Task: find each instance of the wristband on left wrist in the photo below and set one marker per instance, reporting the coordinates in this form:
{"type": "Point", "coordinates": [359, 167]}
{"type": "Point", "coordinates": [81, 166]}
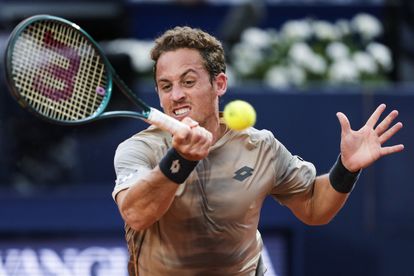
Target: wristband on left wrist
{"type": "Point", "coordinates": [341, 179]}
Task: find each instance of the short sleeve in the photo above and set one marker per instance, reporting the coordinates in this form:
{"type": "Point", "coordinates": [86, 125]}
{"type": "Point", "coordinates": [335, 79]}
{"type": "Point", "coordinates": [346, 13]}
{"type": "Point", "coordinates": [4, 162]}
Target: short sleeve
{"type": "Point", "coordinates": [293, 175]}
{"type": "Point", "coordinates": [133, 160]}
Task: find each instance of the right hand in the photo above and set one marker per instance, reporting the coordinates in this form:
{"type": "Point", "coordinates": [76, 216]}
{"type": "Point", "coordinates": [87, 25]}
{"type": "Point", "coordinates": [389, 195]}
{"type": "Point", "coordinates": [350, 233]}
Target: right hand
{"type": "Point", "coordinates": [194, 142]}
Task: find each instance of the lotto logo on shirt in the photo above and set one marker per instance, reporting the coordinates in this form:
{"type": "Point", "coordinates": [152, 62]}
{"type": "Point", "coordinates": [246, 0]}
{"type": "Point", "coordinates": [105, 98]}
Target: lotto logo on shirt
{"type": "Point", "coordinates": [243, 173]}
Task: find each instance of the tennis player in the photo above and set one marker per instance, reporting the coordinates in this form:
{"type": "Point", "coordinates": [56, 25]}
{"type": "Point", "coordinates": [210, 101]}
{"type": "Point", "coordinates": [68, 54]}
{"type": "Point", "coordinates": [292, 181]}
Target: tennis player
{"type": "Point", "coordinates": [191, 204]}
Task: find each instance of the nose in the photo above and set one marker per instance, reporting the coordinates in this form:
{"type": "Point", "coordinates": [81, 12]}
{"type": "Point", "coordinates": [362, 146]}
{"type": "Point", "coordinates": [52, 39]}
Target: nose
{"type": "Point", "coordinates": [177, 94]}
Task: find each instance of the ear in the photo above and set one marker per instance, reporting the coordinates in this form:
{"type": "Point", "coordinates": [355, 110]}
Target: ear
{"type": "Point", "coordinates": [221, 84]}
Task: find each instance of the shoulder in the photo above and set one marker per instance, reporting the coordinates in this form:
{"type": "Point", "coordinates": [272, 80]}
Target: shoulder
{"type": "Point", "coordinates": [151, 141]}
{"type": "Point", "coordinates": [150, 137]}
{"type": "Point", "coordinates": [254, 135]}
{"type": "Point", "coordinates": [266, 141]}
{"type": "Point", "coordinates": [250, 138]}
{"type": "Point", "coordinates": [260, 134]}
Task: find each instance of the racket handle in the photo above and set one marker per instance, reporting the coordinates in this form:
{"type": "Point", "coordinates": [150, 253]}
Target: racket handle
{"type": "Point", "coordinates": [165, 122]}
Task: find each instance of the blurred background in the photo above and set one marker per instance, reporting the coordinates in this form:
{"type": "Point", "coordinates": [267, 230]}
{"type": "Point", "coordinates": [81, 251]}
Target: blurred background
{"type": "Point", "coordinates": [297, 61]}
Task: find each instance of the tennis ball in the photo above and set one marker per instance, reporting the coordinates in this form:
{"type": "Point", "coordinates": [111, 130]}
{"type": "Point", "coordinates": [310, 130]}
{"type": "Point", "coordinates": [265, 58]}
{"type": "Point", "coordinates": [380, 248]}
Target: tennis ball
{"type": "Point", "coordinates": [239, 115]}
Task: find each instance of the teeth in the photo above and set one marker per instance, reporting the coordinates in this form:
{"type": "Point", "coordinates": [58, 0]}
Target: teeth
{"type": "Point", "coordinates": [181, 111]}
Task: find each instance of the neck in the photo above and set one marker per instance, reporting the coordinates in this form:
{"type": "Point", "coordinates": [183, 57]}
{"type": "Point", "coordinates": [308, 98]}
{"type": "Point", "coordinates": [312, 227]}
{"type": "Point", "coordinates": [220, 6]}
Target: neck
{"type": "Point", "coordinates": [216, 129]}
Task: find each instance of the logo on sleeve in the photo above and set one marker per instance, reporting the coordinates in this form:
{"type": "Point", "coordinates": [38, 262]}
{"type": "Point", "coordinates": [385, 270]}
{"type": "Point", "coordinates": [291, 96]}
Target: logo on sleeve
{"type": "Point", "coordinates": [122, 179]}
{"type": "Point", "coordinates": [243, 173]}
{"type": "Point", "coordinates": [175, 166]}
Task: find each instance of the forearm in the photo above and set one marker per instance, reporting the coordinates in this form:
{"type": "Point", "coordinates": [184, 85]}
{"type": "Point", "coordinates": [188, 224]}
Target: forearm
{"type": "Point", "coordinates": [325, 202]}
{"type": "Point", "coordinates": [148, 200]}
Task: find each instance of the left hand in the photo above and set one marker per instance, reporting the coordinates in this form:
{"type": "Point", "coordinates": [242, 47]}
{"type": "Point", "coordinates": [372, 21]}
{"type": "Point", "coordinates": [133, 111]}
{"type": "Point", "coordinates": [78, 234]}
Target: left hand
{"type": "Point", "coordinates": [361, 148]}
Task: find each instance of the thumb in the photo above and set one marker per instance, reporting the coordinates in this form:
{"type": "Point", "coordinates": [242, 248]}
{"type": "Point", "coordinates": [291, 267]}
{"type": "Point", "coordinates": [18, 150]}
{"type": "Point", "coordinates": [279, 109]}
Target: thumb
{"type": "Point", "coordinates": [184, 133]}
{"type": "Point", "coordinates": [344, 122]}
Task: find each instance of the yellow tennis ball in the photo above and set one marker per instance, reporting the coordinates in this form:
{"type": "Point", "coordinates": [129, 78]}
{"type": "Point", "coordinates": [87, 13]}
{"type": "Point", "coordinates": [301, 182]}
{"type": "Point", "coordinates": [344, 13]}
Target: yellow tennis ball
{"type": "Point", "coordinates": [239, 115]}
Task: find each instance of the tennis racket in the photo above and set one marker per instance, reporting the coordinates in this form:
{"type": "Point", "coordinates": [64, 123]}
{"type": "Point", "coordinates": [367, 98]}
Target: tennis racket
{"type": "Point", "coordinates": [57, 71]}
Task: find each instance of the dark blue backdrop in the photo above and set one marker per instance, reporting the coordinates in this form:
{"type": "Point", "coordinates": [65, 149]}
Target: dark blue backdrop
{"type": "Point", "coordinates": [372, 235]}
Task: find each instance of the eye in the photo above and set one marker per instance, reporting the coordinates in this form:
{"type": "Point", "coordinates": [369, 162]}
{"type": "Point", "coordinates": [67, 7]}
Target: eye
{"type": "Point", "coordinates": [188, 83]}
{"type": "Point", "coordinates": [166, 87]}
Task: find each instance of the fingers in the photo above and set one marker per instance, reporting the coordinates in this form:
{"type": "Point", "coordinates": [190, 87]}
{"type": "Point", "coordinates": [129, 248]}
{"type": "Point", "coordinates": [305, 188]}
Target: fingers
{"type": "Point", "coordinates": [385, 124]}
{"type": "Point", "coordinates": [390, 132]}
{"type": "Point", "coordinates": [190, 122]}
{"type": "Point", "coordinates": [193, 143]}
{"type": "Point", "coordinates": [391, 149]}
{"type": "Point", "coordinates": [372, 121]}
{"type": "Point", "coordinates": [344, 122]}
{"type": "Point", "coordinates": [184, 135]}
{"type": "Point", "coordinates": [383, 129]}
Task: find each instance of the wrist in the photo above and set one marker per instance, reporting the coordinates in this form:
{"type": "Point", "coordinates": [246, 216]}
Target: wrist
{"type": "Point", "coordinates": [341, 179]}
{"type": "Point", "coordinates": [175, 167]}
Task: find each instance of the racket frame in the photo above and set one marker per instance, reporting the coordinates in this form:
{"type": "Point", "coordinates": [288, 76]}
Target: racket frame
{"type": "Point", "coordinates": [110, 74]}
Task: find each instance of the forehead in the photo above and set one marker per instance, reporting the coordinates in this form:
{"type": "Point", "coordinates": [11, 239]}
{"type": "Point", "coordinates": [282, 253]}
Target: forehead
{"type": "Point", "coordinates": [174, 63]}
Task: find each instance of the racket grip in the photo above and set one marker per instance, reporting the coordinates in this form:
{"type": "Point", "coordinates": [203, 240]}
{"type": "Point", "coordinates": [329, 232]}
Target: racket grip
{"type": "Point", "coordinates": [165, 122]}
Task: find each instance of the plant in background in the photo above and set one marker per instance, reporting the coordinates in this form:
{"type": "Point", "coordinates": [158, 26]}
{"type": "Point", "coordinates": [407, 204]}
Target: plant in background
{"type": "Point", "coordinates": [138, 52]}
{"type": "Point", "coordinates": [308, 51]}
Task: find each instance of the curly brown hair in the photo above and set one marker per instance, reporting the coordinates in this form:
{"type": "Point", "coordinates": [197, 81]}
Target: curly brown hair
{"type": "Point", "coordinates": [210, 49]}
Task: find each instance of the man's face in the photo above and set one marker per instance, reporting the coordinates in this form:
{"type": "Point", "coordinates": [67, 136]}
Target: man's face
{"type": "Point", "coordinates": [184, 86]}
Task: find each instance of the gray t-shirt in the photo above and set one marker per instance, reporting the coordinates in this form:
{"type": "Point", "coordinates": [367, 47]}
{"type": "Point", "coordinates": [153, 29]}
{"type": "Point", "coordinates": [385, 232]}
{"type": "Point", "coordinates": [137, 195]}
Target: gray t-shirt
{"type": "Point", "coordinates": [211, 226]}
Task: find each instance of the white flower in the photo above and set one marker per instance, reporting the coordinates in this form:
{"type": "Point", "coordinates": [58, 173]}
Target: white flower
{"type": "Point", "coordinates": [343, 27]}
{"type": "Point", "coordinates": [300, 53]}
{"type": "Point", "coordinates": [365, 62]}
{"type": "Point", "coordinates": [296, 30]}
{"type": "Point", "coordinates": [317, 65]}
{"type": "Point", "coordinates": [324, 30]}
{"type": "Point", "coordinates": [343, 71]}
{"type": "Point", "coordinates": [274, 36]}
{"type": "Point", "coordinates": [309, 50]}
{"type": "Point", "coordinates": [246, 58]}
{"type": "Point", "coordinates": [138, 51]}
{"type": "Point", "coordinates": [277, 77]}
{"type": "Point", "coordinates": [284, 76]}
{"type": "Point", "coordinates": [367, 26]}
{"type": "Point", "coordinates": [296, 74]}
{"type": "Point", "coordinates": [337, 50]}
{"type": "Point", "coordinates": [256, 37]}
{"type": "Point", "coordinates": [381, 54]}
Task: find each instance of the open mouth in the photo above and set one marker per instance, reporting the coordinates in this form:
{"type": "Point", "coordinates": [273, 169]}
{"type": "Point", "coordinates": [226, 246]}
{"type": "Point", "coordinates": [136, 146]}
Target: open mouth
{"type": "Point", "coordinates": [181, 111]}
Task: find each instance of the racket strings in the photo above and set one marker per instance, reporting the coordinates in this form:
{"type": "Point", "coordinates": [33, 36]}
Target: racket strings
{"type": "Point", "coordinates": [58, 72]}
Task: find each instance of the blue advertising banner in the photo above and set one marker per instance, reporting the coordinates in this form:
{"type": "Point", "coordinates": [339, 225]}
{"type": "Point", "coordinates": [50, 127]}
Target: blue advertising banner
{"type": "Point", "coordinates": [99, 256]}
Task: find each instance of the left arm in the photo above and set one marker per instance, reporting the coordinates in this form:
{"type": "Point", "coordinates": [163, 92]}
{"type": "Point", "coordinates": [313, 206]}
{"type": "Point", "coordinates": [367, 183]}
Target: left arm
{"type": "Point", "coordinates": [359, 149]}
{"type": "Point", "coordinates": [319, 205]}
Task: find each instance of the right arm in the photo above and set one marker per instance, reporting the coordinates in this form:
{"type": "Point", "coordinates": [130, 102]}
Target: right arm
{"type": "Point", "coordinates": [145, 202]}
{"type": "Point", "coordinates": [149, 199]}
